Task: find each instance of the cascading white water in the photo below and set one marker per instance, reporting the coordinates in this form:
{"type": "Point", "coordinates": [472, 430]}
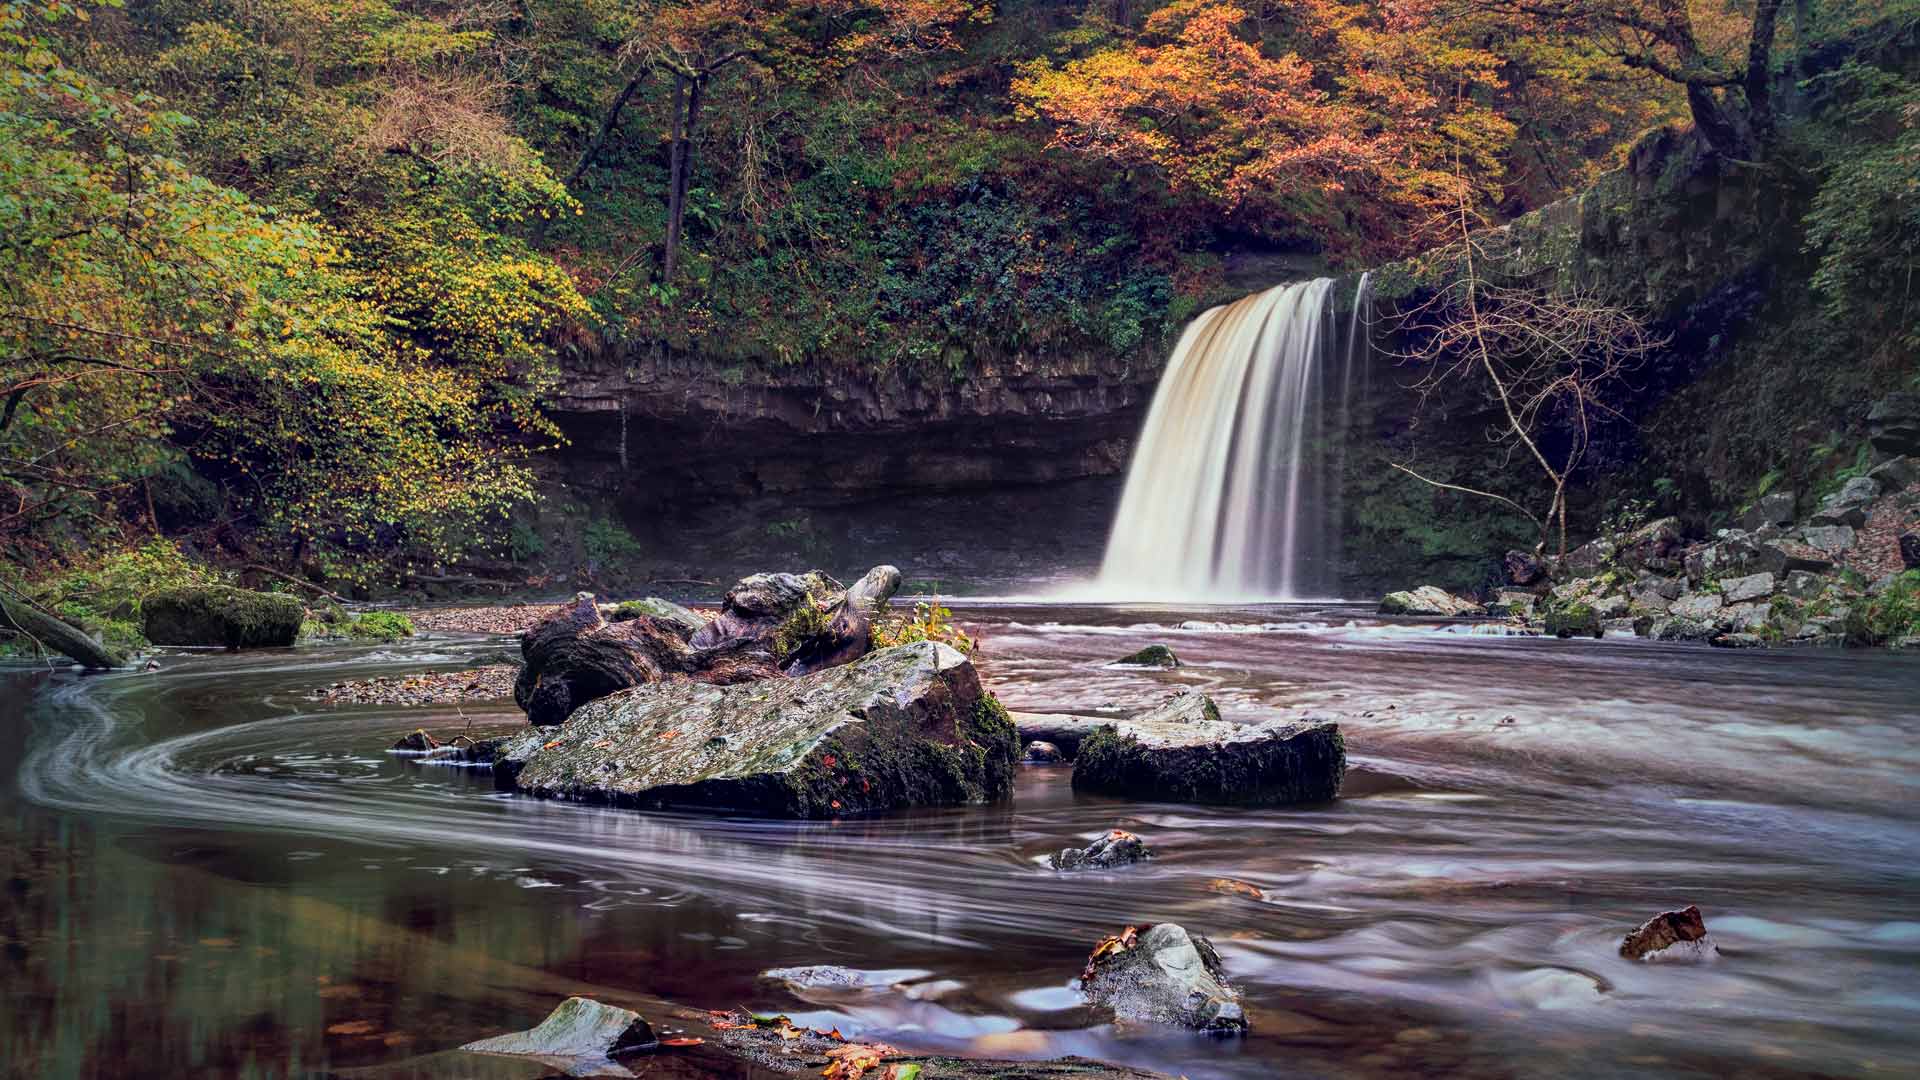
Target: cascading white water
{"type": "Point", "coordinates": [1222, 501]}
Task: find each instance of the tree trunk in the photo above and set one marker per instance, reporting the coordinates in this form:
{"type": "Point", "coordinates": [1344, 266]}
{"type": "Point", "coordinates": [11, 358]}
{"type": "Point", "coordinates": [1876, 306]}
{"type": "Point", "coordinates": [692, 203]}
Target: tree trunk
{"type": "Point", "coordinates": [1759, 75]}
{"type": "Point", "coordinates": [1711, 120]}
{"type": "Point", "coordinates": [676, 169]}
{"type": "Point", "coordinates": [607, 123]}
{"type": "Point", "coordinates": [59, 636]}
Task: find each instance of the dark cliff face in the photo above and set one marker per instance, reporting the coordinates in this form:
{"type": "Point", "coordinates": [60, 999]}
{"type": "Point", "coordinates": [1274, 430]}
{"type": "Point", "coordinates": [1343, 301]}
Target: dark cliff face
{"type": "Point", "coordinates": [694, 434]}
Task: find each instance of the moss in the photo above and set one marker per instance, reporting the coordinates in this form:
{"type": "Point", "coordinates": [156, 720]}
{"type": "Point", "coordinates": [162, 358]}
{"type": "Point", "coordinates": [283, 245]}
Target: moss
{"type": "Point", "coordinates": [805, 623]}
{"type": "Point", "coordinates": [1571, 620]}
{"type": "Point", "coordinates": [380, 626]}
{"type": "Point", "coordinates": [1153, 656]}
{"type": "Point", "coordinates": [218, 615]}
{"type": "Point", "coordinates": [1889, 617]}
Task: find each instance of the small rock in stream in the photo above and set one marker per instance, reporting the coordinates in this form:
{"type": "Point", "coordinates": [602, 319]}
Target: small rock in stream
{"type": "Point", "coordinates": [1671, 937]}
{"type": "Point", "coordinates": [1161, 974]}
{"type": "Point", "coordinates": [1153, 656]}
{"type": "Point", "coordinates": [1184, 751]}
{"type": "Point", "coordinates": [578, 1028]}
{"type": "Point", "coordinates": [1041, 752]}
{"type": "Point", "coordinates": [1117, 848]}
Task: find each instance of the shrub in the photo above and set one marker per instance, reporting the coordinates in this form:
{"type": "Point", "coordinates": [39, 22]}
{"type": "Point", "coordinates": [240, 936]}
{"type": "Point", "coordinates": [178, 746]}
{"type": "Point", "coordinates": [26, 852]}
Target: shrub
{"type": "Point", "coordinates": [929, 622]}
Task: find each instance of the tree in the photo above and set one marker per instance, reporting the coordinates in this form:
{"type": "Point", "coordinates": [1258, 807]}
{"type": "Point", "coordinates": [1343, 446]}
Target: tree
{"type": "Point", "coordinates": [1724, 68]}
{"type": "Point", "coordinates": [1336, 118]}
{"type": "Point", "coordinates": [1550, 361]}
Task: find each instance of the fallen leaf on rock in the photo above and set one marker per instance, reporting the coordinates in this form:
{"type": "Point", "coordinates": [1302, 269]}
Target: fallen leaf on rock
{"type": "Point", "coordinates": [851, 1062]}
{"type": "Point", "coordinates": [552, 744]}
{"type": "Point", "coordinates": [687, 1041]}
{"type": "Point", "coordinates": [667, 736]}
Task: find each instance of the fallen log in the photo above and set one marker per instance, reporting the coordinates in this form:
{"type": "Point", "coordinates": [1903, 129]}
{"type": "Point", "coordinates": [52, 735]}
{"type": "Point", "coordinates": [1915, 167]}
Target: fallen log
{"type": "Point", "coordinates": [61, 637]}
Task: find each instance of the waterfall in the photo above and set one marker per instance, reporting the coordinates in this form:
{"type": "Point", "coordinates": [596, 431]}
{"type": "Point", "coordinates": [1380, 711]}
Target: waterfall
{"type": "Point", "coordinates": [1232, 493]}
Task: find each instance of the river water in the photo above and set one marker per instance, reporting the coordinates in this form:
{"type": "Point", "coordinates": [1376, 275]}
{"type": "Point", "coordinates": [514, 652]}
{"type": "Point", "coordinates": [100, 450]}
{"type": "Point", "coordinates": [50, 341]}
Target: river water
{"type": "Point", "coordinates": [208, 874]}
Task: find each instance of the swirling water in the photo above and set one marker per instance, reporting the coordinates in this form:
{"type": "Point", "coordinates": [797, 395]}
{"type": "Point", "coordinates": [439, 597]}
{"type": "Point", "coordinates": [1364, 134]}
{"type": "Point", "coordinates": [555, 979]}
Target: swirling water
{"type": "Point", "coordinates": [208, 874]}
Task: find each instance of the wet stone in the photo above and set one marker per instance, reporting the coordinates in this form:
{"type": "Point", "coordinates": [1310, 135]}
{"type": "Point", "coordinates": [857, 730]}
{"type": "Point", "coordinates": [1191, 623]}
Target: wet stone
{"type": "Point", "coordinates": [1671, 936]}
{"type": "Point", "coordinates": [578, 1028]}
{"type": "Point", "coordinates": [1184, 752]}
{"type": "Point", "coordinates": [1117, 848]}
{"type": "Point", "coordinates": [1164, 975]}
{"type": "Point", "coordinates": [1041, 752]}
{"type": "Point", "coordinates": [1153, 656]}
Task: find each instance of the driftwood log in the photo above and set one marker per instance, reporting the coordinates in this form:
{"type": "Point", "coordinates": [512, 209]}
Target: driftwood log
{"type": "Point", "coordinates": [59, 636]}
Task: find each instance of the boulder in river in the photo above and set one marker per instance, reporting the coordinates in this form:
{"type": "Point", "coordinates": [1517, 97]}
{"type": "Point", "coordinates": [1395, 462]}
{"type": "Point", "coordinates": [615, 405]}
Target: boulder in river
{"type": "Point", "coordinates": [904, 726]}
{"type": "Point", "coordinates": [1428, 600]}
{"type": "Point", "coordinates": [578, 1028]}
{"type": "Point", "coordinates": [1184, 752]}
{"type": "Point", "coordinates": [1117, 848]}
{"type": "Point", "coordinates": [1153, 656]}
{"type": "Point", "coordinates": [218, 615]}
{"type": "Point", "coordinates": [1671, 937]}
{"type": "Point", "coordinates": [1577, 619]}
{"type": "Point", "coordinates": [1159, 973]}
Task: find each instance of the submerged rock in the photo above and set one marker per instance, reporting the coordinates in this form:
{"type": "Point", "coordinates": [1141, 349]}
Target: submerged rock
{"type": "Point", "coordinates": [905, 726]}
{"type": "Point", "coordinates": [218, 615]}
{"type": "Point", "coordinates": [1669, 937]}
{"type": "Point", "coordinates": [1428, 600]}
{"type": "Point", "coordinates": [1153, 656]}
{"type": "Point", "coordinates": [1184, 752]}
{"type": "Point", "coordinates": [1162, 974]}
{"type": "Point", "coordinates": [1041, 752]}
{"type": "Point", "coordinates": [578, 1028]}
{"type": "Point", "coordinates": [1118, 848]}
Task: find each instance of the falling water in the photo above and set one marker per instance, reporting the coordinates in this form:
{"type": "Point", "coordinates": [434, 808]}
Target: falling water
{"type": "Point", "coordinates": [1228, 497]}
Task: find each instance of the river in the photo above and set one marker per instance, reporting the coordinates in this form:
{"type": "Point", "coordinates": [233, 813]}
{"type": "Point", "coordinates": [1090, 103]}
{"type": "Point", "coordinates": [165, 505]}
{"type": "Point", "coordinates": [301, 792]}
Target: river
{"type": "Point", "coordinates": [209, 874]}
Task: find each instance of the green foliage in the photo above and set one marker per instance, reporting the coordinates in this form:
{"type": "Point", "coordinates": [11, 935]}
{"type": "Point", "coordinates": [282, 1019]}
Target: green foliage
{"type": "Point", "coordinates": [1890, 616]}
{"type": "Point", "coordinates": [380, 626]}
{"type": "Point", "coordinates": [805, 623]}
{"type": "Point", "coordinates": [929, 621]}
{"type": "Point", "coordinates": [607, 542]}
{"type": "Point", "coordinates": [1864, 223]}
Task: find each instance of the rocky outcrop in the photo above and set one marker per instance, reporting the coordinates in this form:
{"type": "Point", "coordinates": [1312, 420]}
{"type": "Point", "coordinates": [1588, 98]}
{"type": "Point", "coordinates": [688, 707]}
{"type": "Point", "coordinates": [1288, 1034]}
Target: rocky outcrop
{"type": "Point", "coordinates": [578, 1028]}
{"type": "Point", "coordinates": [1117, 848]}
{"type": "Point", "coordinates": [1429, 600]}
{"type": "Point", "coordinates": [1184, 752]}
{"type": "Point", "coordinates": [770, 625]}
{"type": "Point", "coordinates": [1153, 656]}
{"type": "Point", "coordinates": [573, 657]}
{"type": "Point", "coordinates": [1893, 424]}
{"type": "Point", "coordinates": [905, 726]}
{"type": "Point", "coordinates": [218, 615]}
{"type": "Point", "coordinates": [1671, 936]}
{"type": "Point", "coordinates": [1162, 974]}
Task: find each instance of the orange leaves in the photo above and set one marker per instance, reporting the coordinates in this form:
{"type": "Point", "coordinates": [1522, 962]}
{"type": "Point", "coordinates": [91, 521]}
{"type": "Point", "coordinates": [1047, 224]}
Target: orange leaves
{"type": "Point", "coordinates": [669, 736]}
{"type": "Point", "coordinates": [856, 1060]}
{"type": "Point", "coordinates": [1112, 945]}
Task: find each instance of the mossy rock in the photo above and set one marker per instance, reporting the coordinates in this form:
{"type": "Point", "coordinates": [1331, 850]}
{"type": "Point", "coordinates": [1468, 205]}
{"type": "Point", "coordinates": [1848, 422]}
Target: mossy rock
{"type": "Point", "coordinates": [905, 726]}
{"type": "Point", "coordinates": [1183, 752]}
{"type": "Point", "coordinates": [1153, 656]}
{"type": "Point", "coordinates": [1574, 620]}
{"type": "Point", "coordinates": [219, 615]}
{"type": "Point", "coordinates": [380, 626]}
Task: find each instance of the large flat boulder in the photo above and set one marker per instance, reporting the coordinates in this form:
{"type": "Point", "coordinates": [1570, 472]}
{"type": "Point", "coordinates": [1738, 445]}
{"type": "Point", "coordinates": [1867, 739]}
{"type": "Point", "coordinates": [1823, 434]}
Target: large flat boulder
{"type": "Point", "coordinates": [905, 726]}
{"type": "Point", "coordinates": [1428, 600]}
{"type": "Point", "coordinates": [218, 615]}
{"type": "Point", "coordinates": [1184, 752]}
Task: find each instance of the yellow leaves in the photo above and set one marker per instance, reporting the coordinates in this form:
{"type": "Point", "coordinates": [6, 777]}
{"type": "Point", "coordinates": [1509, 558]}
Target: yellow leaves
{"type": "Point", "coordinates": [856, 1060]}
